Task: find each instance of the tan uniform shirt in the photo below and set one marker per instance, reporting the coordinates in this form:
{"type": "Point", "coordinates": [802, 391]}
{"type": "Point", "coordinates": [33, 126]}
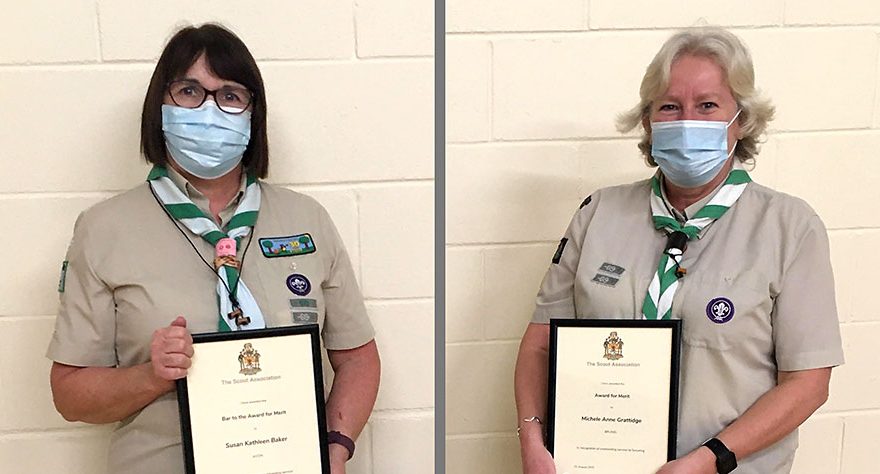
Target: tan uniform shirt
{"type": "Point", "coordinates": [768, 255]}
{"type": "Point", "coordinates": [131, 272]}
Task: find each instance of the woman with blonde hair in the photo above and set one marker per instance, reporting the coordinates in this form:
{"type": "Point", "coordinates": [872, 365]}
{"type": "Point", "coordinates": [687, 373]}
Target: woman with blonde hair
{"type": "Point", "coordinates": [760, 328]}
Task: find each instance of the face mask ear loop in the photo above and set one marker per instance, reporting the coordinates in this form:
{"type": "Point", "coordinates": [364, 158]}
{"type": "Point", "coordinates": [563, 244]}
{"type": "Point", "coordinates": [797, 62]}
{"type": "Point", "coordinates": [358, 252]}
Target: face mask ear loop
{"type": "Point", "coordinates": [738, 111]}
{"type": "Point", "coordinates": [732, 149]}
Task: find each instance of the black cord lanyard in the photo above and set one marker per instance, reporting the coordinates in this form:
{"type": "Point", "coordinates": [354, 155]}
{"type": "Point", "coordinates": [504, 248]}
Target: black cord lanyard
{"type": "Point", "coordinates": [232, 299]}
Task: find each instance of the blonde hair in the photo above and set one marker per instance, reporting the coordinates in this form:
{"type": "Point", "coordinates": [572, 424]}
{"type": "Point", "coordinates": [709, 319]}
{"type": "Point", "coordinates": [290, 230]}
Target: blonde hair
{"type": "Point", "coordinates": [732, 57]}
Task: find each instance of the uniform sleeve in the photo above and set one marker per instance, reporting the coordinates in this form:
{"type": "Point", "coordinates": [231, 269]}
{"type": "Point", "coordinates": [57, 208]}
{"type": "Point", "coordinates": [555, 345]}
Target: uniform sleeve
{"type": "Point", "coordinates": [346, 324]}
{"type": "Point", "coordinates": [556, 296]}
{"type": "Point", "coordinates": [806, 332]}
{"type": "Point", "coordinates": [85, 329]}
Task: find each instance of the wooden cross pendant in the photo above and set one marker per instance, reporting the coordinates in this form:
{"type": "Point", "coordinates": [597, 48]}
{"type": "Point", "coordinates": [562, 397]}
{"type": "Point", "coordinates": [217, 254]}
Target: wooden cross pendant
{"type": "Point", "coordinates": [240, 319]}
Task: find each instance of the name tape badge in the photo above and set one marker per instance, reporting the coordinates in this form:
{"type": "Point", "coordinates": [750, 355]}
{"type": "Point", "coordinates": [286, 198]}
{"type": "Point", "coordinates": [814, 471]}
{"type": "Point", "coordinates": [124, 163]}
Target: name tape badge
{"type": "Point", "coordinates": [612, 268]}
{"type": "Point", "coordinates": [605, 280]}
{"type": "Point", "coordinates": [304, 317]}
{"type": "Point", "coordinates": [303, 303]}
{"type": "Point", "coordinates": [300, 244]}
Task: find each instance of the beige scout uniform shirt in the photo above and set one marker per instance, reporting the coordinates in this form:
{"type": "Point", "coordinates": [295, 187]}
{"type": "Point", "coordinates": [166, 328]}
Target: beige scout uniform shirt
{"type": "Point", "coordinates": [131, 272]}
{"type": "Point", "coordinates": [768, 255]}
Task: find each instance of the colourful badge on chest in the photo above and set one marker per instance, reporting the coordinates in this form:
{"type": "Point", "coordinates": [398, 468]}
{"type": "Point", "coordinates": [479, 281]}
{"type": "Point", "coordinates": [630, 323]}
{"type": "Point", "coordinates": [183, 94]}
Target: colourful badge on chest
{"type": "Point", "coordinates": [300, 244]}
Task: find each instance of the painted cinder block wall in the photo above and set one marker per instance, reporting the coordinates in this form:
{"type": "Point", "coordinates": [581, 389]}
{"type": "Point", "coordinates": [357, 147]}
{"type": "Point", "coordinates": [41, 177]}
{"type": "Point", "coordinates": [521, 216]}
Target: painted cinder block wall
{"type": "Point", "coordinates": [350, 92]}
{"type": "Point", "coordinates": [533, 89]}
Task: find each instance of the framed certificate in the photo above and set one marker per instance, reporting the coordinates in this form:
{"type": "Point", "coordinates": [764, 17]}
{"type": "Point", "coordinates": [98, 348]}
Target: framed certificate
{"type": "Point", "coordinates": [253, 401]}
{"type": "Point", "coordinates": [613, 394]}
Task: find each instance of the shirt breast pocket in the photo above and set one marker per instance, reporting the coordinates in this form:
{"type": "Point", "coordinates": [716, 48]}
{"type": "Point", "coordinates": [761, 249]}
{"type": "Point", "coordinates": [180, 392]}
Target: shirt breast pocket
{"type": "Point", "coordinates": [292, 286]}
{"type": "Point", "coordinates": [722, 312]}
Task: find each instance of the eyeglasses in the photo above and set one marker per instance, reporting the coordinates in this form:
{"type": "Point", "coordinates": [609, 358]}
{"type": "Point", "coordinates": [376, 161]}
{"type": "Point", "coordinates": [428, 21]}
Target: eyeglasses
{"type": "Point", "coordinates": [190, 94]}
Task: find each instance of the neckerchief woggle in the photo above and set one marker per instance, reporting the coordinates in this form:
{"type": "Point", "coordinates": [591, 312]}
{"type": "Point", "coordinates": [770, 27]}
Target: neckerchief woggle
{"type": "Point", "coordinates": [182, 209]}
{"type": "Point", "coordinates": [658, 301]}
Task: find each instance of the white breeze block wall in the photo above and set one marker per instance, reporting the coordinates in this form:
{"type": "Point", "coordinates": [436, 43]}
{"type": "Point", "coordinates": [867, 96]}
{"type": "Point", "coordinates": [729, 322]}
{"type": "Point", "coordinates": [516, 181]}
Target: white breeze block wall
{"type": "Point", "coordinates": [350, 92]}
{"type": "Point", "coordinates": [533, 89]}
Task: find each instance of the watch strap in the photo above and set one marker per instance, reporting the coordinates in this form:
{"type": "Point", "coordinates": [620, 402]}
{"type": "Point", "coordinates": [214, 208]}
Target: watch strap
{"type": "Point", "coordinates": [725, 459]}
{"type": "Point", "coordinates": [339, 438]}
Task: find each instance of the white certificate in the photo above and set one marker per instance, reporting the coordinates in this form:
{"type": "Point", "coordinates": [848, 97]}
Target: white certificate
{"type": "Point", "coordinates": [253, 401]}
{"type": "Point", "coordinates": [613, 395]}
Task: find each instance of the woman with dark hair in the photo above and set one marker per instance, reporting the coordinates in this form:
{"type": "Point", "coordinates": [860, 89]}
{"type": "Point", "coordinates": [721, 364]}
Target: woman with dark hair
{"type": "Point", "coordinates": [148, 267]}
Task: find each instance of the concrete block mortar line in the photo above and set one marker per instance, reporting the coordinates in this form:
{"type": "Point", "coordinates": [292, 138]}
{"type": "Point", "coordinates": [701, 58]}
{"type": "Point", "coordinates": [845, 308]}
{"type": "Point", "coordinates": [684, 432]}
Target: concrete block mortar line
{"type": "Point", "coordinates": [611, 138]}
{"type": "Point", "coordinates": [826, 25]}
{"type": "Point", "coordinates": [151, 62]}
{"type": "Point", "coordinates": [617, 137]}
{"type": "Point", "coordinates": [372, 464]}
{"type": "Point", "coordinates": [876, 117]}
{"type": "Point", "coordinates": [490, 96]}
{"type": "Point", "coordinates": [39, 64]}
{"type": "Point", "coordinates": [485, 342]}
{"type": "Point", "coordinates": [577, 139]}
{"type": "Point", "coordinates": [401, 301]}
{"type": "Point", "coordinates": [494, 245]}
{"type": "Point", "coordinates": [10, 318]}
{"type": "Point", "coordinates": [38, 433]}
{"type": "Point", "coordinates": [558, 34]}
{"type": "Point", "coordinates": [549, 34]}
{"type": "Point", "coordinates": [464, 142]}
{"type": "Point", "coordinates": [588, 4]}
{"type": "Point", "coordinates": [354, 26]}
{"type": "Point", "coordinates": [482, 318]}
{"type": "Point", "coordinates": [774, 133]}
{"type": "Point", "coordinates": [862, 324]}
{"type": "Point", "coordinates": [483, 435]}
{"type": "Point", "coordinates": [539, 141]}
{"type": "Point", "coordinates": [782, 11]}
{"type": "Point", "coordinates": [835, 230]}
{"type": "Point", "coordinates": [99, 44]}
{"type": "Point", "coordinates": [847, 413]}
{"type": "Point", "coordinates": [841, 447]}
{"type": "Point", "coordinates": [27, 195]}
{"type": "Point", "coordinates": [353, 185]}
{"type": "Point", "coordinates": [403, 413]}
{"type": "Point", "coordinates": [381, 57]}
{"type": "Point", "coordinates": [360, 239]}
{"type": "Point", "coordinates": [355, 60]}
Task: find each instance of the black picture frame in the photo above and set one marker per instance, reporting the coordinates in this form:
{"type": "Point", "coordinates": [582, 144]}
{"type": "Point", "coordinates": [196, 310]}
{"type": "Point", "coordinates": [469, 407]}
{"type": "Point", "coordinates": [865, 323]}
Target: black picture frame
{"type": "Point", "coordinates": [675, 358]}
{"type": "Point", "coordinates": [183, 400]}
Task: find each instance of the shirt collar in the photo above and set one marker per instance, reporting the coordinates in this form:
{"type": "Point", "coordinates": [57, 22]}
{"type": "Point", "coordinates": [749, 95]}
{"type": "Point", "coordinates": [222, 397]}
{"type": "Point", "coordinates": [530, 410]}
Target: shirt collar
{"type": "Point", "coordinates": [695, 207]}
{"type": "Point", "coordinates": [200, 200]}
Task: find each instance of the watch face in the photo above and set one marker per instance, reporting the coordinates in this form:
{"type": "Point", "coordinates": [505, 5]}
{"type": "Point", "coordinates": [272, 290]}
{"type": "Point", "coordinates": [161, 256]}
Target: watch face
{"type": "Point", "coordinates": [725, 460]}
{"type": "Point", "coordinates": [726, 463]}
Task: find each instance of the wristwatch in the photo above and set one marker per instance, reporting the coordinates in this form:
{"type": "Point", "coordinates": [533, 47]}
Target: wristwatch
{"type": "Point", "coordinates": [725, 460]}
{"type": "Point", "coordinates": [341, 439]}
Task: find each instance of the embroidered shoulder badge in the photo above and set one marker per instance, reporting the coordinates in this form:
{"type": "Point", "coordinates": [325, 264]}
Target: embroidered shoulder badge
{"type": "Point", "coordinates": [586, 201]}
{"type": "Point", "coordinates": [63, 278]}
{"type": "Point", "coordinates": [558, 255]}
{"type": "Point", "coordinates": [300, 244]}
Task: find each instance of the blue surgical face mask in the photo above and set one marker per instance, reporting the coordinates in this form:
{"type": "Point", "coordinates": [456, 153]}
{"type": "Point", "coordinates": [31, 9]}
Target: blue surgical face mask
{"type": "Point", "coordinates": [690, 152]}
{"type": "Point", "coordinates": [206, 142]}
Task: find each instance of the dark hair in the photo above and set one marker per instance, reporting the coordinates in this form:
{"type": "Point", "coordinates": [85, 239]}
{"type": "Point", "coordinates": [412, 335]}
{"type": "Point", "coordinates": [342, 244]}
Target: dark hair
{"type": "Point", "coordinates": [229, 59]}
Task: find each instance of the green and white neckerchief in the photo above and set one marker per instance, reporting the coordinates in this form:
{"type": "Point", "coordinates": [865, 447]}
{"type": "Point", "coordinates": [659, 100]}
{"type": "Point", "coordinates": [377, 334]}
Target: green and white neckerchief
{"type": "Point", "coordinates": [182, 209]}
{"type": "Point", "coordinates": [658, 301]}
